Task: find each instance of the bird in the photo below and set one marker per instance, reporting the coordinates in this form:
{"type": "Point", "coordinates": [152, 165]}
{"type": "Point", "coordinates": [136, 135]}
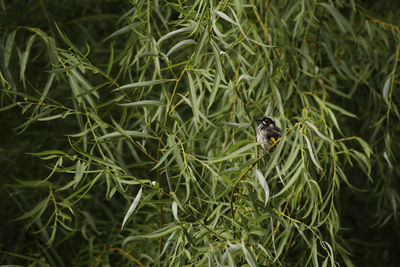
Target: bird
{"type": "Point", "coordinates": [268, 133]}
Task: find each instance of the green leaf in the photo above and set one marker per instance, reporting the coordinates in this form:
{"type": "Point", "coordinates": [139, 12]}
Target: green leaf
{"type": "Point", "coordinates": [143, 103]}
{"type": "Point", "coordinates": [311, 153]}
{"type": "Point", "coordinates": [125, 133]}
{"type": "Point", "coordinates": [9, 48]}
{"type": "Point", "coordinates": [235, 154]}
{"type": "Point", "coordinates": [180, 45]}
{"type": "Point", "coordinates": [176, 152]}
{"type": "Point", "coordinates": [215, 89]}
{"type": "Point", "coordinates": [36, 211]}
{"type": "Point", "coordinates": [193, 97]}
{"type": "Point", "coordinates": [341, 110]}
{"type": "Point", "coordinates": [25, 56]}
{"type": "Point", "coordinates": [218, 61]}
{"type": "Point", "coordinates": [264, 185]}
{"type": "Point", "coordinates": [314, 128]}
{"type": "Point", "coordinates": [283, 237]}
{"type": "Point", "coordinates": [8, 106]}
{"type": "Point", "coordinates": [367, 149]}
{"type": "Point", "coordinates": [173, 33]}
{"type": "Point", "coordinates": [292, 180]}
{"type": "Point", "coordinates": [143, 84]}
{"type": "Point", "coordinates": [174, 209]}
{"type": "Point", "coordinates": [249, 256]}
{"type": "Point", "coordinates": [162, 232]}
{"type": "Point", "coordinates": [341, 21]}
{"type": "Point", "coordinates": [47, 152]}
{"type": "Point", "coordinates": [225, 17]}
{"type": "Point", "coordinates": [386, 87]}
{"type": "Point", "coordinates": [123, 30]}
{"type": "Point", "coordinates": [47, 87]}
{"type": "Point", "coordinates": [132, 207]}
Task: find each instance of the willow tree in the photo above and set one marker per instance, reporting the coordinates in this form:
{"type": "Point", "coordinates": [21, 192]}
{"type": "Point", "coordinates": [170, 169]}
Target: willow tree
{"type": "Point", "coordinates": [135, 133]}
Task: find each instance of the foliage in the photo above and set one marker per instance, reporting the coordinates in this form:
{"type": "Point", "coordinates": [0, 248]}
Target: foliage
{"type": "Point", "coordinates": [138, 134]}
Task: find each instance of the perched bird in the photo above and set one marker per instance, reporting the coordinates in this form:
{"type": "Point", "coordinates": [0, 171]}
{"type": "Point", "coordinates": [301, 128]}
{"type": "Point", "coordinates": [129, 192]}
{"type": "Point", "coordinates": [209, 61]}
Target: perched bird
{"type": "Point", "coordinates": [268, 133]}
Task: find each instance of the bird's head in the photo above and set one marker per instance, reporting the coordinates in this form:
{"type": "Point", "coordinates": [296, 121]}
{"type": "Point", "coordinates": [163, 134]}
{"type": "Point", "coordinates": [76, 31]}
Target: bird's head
{"type": "Point", "coordinates": [267, 121]}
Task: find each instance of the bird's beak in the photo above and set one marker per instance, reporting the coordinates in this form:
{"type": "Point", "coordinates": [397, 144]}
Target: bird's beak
{"type": "Point", "coordinates": [258, 119]}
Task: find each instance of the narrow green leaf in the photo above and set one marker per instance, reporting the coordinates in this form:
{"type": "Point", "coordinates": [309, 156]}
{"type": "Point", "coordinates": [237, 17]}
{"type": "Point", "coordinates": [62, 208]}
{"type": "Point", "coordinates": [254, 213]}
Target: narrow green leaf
{"type": "Point", "coordinates": [177, 155]}
{"type": "Point", "coordinates": [293, 154]}
{"type": "Point", "coordinates": [312, 126]}
{"type": "Point", "coordinates": [142, 103]}
{"type": "Point", "coordinates": [199, 47]}
{"type": "Point", "coordinates": [235, 154]}
{"type": "Point", "coordinates": [37, 210]}
{"type": "Point", "coordinates": [361, 158]}
{"type": "Point", "coordinates": [311, 153]}
{"type": "Point", "coordinates": [218, 61]}
{"type": "Point", "coordinates": [250, 259]}
{"type": "Point", "coordinates": [125, 133]}
{"type": "Point", "coordinates": [143, 84]}
{"type": "Point", "coordinates": [107, 162]}
{"type": "Point", "coordinates": [111, 59]}
{"type": "Point", "coordinates": [132, 207]}
{"type": "Point", "coordinates": [341, 110]}
{"type": "Point", "coordinates": [215, 89]}
{"type": "Point", "coordinates": [284, 236]}
{"type": "Point", "coordinates": [193, 97]}
{"type": "Point", "coordinates": [123, 30]}
{"type": "Point", "coordinates": [47, 87]}
{"type": "Point", "coordinates": [53, 117]}
{"type": "Point", "coordinates": [264, 185]}
{"type": "Point", "coordinates": [386, 87]}
{"type": "Point", "coordinates": [9, 106]}
{"type": "Point", "coordinates": [173, 33]}
{"type": "Point", "coordinates": [175, 210]}
{"type": "Point", "coordinates": [279, 99]}
{"type": "Point", "coordinates": [80, 169]}
{"type": "Point", "coordinates": [215, 28]}
{"type": "Point", "coordinates": [25, 56]}
{"type": "Point", "coordinates": [163, 158]}
{"type": "Point", "coordinates": [162, 232]}
{"type": "Point", "coordinates": [341, 21]}
{"type": "Point", "coordinates": [47, 152]}
{"type": "Point", "coordinates": [292, 180]}
{"type": "Point", "coordinates": [85, 83]}
{"type": "Point", "coordinates": [180, 45]}
{"type": "Point", "coordinates": [367, 149]}
{"type": "Point", "coordinates": [225, 17]}
{"type": "Point", "coordinates": [76, 90]}
{"type": "Point", "coordinates": [344, 178]}
{"type": "Point", "coordinates": [9, 47]}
